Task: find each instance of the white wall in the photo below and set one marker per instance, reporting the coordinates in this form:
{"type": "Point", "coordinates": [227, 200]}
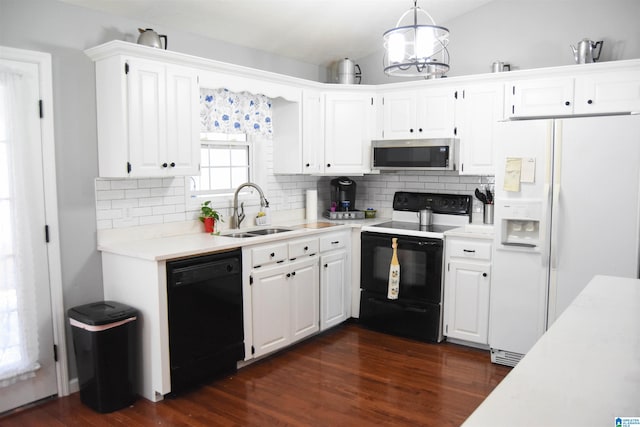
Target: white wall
{"type": "Point", "coordinates": [530, 34]}
{"type": "Point", "coordinates": [66, 31]}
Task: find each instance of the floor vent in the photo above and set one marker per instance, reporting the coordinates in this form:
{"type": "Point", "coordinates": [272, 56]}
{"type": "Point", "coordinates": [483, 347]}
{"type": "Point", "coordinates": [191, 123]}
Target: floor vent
{"type": "Point", "coordinates": [505, 357]}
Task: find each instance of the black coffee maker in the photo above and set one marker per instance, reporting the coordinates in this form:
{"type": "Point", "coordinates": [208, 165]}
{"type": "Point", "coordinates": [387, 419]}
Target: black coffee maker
{"type": "Point", "coordinates": [343, 194]}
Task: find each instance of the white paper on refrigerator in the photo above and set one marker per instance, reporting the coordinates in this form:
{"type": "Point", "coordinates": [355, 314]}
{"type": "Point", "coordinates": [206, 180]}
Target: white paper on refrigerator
{"type": "Point", "coordinates": [512, 172]}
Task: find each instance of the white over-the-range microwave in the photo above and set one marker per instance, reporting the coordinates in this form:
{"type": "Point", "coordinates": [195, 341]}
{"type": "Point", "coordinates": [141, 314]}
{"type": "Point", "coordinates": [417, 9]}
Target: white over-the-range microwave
{"type": "Point", "coordinates": [441, 154]}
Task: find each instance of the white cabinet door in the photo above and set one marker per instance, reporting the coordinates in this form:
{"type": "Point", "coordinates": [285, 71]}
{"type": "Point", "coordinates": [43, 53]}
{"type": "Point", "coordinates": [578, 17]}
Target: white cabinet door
{"type": "Point", "coordinates": [349, 125]}
{"type": "Point", "coordinates": [399, 115]}
{"type": "Point", "coordinates": [146, 88]}
{"type": "Point", "coordinates": [312, 132]}
{"type": "Point", "coordinates": [270, 297]}
{"type": "Point", "coordinates": [183, 121]}
{"type": "Point", "coordinates": [334, 289]}
{"type": "Point", "coordinates": [426, 113]}
{"type": "Point", "coordinates": [479, 109]}
{"type": "Point", "coordinates": [304, 285]}
{"type": "Point", "coordinates": [540, 98]}
{"type": "Point", "coordinates": [467, 301]}
{"type": "Point", "coordinates": [612, 92]}
{"type": "Point", "coordinates": [436, 113]}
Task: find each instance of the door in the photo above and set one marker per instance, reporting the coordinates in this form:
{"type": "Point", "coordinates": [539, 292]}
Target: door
{"type": "Point", "coordinates": [399, 115]}
{"type": "Point", "coordinates": [304, 281]}
{"type": "Point", "coordinates": [348, 129]}
{"type": "Point", "coordinates": [436, 113]}
{"type": "Point", "coordinates": [420, 266]}
{"type": "Point", "coordinates": [595, 217]}
{"type": "Point", "coordinates": [146, 88]}
{"type": "Point", "coordinates": [540, 97]}
{"type": "Point", "coordinates": [333, 301]}
{"type": "Point", "coordinates": [270, 296]}
{"type": "Point", "coordinates": [27, 366]}
{"type": "Point", "coordinates": [467, 302]}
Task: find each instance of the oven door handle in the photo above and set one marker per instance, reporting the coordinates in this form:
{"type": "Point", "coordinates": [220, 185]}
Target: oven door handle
{"type": "Point", "coordinates": [428, 243]}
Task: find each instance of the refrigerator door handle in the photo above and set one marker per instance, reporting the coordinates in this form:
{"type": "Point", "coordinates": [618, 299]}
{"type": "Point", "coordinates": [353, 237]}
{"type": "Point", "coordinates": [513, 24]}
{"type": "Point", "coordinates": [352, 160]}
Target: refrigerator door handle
{"type": "Point", "coordinates": [545, 220]}
{"type": "Point", "coordinates": [555, 202]}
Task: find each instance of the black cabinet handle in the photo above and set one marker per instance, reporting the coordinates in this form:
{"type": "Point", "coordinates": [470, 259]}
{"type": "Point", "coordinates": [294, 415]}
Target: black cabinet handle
{"type": "Point", "coordinates": [173, 165]}
{"type": "Point", "coordinates": [567, 103]}
{"type": "Point", "coordinates": [293, 273]}
{"type": "Point", "coordinates": [469, 250]}
{"type": "Point", "coordinates": [326, 265]}
{"type": "Point", "coordinates": [328, 165]}
{"type": "Point", "coordinates": [484, 274]}
{"type": "Point", "coordinates": [590, 102]}
{"type": "Point", "coordinates": [410, 130]}
{"type": "Point", "coordinates": [272, 254]}
{"type": "Point", "coordinates": [288, 274]}
{"type": "Point", "coordinates": [420, 130]}
{"type": "Point", "coordinates": [307, 165]}
{"type": "Point", "coordinates": [335, 242]}
{"type": "Point", "coordinates": [306, 248]}
{"type": "Point", "coordinates": [164, 165]}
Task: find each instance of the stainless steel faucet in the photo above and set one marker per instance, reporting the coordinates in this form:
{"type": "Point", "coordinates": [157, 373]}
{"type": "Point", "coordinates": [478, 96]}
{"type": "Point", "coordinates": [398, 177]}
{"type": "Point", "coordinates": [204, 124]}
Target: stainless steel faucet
{"type": "Point", "coordinates": [238, 217]}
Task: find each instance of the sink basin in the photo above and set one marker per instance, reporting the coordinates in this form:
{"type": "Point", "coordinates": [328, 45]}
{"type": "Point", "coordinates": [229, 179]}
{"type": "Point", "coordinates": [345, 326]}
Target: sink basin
{"type": "Point", "coordinates": [269, 231]}
{"type": "Point", "coordinates": [240, 235]}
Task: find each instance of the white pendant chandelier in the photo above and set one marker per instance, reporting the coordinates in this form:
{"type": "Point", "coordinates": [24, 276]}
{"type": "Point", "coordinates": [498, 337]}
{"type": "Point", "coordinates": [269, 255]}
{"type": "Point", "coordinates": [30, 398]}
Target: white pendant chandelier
{"type": "Point", "coordinates": [416, 50]}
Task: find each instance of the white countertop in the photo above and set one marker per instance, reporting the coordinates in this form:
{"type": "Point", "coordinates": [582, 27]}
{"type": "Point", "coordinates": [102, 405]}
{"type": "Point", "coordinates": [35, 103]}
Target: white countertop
{"type": "Point", "coordinates": [584, 371]}
{"type": "Point", "coordinates": [475, 231]}
{"type": "Point", "coordinates": [188, 240]}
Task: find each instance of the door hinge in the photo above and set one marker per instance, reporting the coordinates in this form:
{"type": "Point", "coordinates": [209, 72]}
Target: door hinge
{"type": "Point", "coordinates": [40, 109]}
{"type": "Point", "coordinates": [383, 100]}
{"type": "Point", "coordinates": [463, 94]}
{"type": "Point", "coordinates": [455, 130]}
{"type": "Point", "coordinates": [128, 167]}
{"type": "Point", "coordinates": [253, 350]}
{"type": "Point", "coordinates": [448, 266]}
{"type": "Point", "coordinates": [446, 329]}
{"type": "Point", "coordinates": [513, 90]}
{"type": "Point", "coordinates": [126, 68]}
{"type": "Point", "coordinates": [455, 95]}
{"type": "Point", "coordinates": [461, 167]}
{"type": "Point", "coordinates": [55, 353]}
{"type": "Point", "coordinates": [513, 109]}
{"type": "Point", "coordinates": [372, 100]}
{"type": "Point", "coordinates": [46, 233]}
{"type": "Point", "coordinates": [251, 280]}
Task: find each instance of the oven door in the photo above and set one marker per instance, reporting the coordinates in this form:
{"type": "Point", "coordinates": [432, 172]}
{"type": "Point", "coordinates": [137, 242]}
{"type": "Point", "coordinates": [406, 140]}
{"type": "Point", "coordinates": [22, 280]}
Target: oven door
{"type": "Point", "coordinates": [420, 266]}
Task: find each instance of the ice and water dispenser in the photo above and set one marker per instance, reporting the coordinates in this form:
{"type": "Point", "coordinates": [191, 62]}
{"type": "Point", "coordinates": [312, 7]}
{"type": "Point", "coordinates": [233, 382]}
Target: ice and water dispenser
{"type": "Point", "coordinates": [521, 224]}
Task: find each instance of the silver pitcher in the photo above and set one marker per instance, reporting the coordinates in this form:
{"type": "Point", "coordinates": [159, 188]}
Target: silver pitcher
{"type": "Point", "coordinates": [148, 37]}
{"type": "Point", "coordinates": [585, 52]}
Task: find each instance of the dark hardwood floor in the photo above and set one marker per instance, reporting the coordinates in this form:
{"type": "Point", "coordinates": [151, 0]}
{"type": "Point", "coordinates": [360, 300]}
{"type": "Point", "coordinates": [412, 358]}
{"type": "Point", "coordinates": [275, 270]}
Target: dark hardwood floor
{"type": "Point", "coordinates": [346, 377]}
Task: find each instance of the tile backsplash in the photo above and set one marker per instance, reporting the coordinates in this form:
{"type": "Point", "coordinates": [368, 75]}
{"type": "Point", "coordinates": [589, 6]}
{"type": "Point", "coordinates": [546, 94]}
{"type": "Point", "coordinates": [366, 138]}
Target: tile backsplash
{"type": "Point", "coordinates": [131, 202]}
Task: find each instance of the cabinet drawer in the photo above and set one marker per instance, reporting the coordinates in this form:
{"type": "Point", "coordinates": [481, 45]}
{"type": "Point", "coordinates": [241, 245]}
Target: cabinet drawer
{"type": "Point", "coordinates": [303, 247]}
{"type": "Point", "coordinates": [268, 254]}
{"type": "Point", "coordinates": [473, 249]}
{"type": "Point", "coordinates": [333, 241]}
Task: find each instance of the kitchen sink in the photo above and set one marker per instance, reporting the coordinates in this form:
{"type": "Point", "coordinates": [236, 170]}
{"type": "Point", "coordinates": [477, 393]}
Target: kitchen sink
{"type": "Point", "coordinates": [240, 235]}
{"type": "Point", "coordinates": [269, 231]}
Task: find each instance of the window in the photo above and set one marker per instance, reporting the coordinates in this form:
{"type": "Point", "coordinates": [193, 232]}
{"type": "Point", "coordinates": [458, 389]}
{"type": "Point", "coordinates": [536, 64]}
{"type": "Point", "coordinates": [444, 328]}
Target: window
{"type": "Point", "coordinates": [225, 163]}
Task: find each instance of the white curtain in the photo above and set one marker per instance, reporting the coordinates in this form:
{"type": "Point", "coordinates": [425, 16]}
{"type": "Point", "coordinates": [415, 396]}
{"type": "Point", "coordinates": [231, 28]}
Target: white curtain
{"type": "Point", "coordinates": [18, 316]}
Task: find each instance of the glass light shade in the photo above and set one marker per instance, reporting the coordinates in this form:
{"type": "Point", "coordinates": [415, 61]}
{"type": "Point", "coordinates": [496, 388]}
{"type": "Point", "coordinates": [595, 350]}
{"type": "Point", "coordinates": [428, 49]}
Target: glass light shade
{"type": "Point", "coordinates": [416, 50]}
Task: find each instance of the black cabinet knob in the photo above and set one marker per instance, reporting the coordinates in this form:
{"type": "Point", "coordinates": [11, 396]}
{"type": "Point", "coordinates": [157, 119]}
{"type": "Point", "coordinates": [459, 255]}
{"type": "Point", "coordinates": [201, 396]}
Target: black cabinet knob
{"type": "Point", "coordinates": [293, 274]}
{"type": "Point", "coordinates": [420, 130]}
{"type": "Point", "coordinates": [164, 165]}
{"type": "Point", "coordinates": [272, 254]}
{"type": "Point", "coordinates": [173, 165]}
{"type": "Point", "coordinates": [288, 274]}
{"type": "Point", "coordinates": [326, 265]}
{"type": "Point", "coordinates": [410, 130]}
{"type": "Point", "coordinates": [307, 165]}
{"type": "Point", "coordinates": [484, 274]}
{"type": "Point", "coordinates": [590, 101]}
{"type": "Point", "coordinates": [567, 103]}
{"type": "Point", "coordinates": [328, 165]}
{"type": "Point", "coordinates": [306, 248]}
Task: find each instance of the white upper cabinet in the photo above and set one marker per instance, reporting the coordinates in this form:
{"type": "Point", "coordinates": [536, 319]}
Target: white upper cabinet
{"type": "Point", "coordinates": [312, 132]}
{"type": "Point", "coordinates": [540, 97]}
{"type": "Point", "coordinates": [423, 113]}
{"type": "Point", "coordinates": [604, 92]}
{"type": "Point", "coordinates": [148, 118]}
{"type": "Point", "coordinates": [349, 124]}
{"type": "Point", "coordinates": [479, 108]}
{"type": "Point", "coordinates": [611, 92]}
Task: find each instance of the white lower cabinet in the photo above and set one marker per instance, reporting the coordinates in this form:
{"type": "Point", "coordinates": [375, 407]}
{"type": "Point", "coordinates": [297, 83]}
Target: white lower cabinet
{"type": "Point", "coordinates": [335, 271]}
{"type": "Point", "coordinates": [467, 285]}
{"type": "Point", "coordinates": [285, 304]}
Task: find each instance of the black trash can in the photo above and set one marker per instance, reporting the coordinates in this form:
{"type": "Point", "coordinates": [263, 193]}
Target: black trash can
{"type": "Point", "coordinates": [104, 340]}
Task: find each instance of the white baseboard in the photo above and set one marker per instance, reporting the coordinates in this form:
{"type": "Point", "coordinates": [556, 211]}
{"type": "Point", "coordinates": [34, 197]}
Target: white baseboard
{"type": "Point", "coordinates": [74, 386]}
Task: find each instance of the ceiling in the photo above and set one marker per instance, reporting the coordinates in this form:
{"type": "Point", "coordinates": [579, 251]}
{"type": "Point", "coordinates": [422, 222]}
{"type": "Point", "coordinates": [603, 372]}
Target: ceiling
{"type": "Point", "coordinates": [313, 31]}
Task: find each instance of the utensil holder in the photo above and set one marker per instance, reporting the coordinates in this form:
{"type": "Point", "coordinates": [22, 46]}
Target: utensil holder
{"type": "Point", "coordinates": [488, 213]}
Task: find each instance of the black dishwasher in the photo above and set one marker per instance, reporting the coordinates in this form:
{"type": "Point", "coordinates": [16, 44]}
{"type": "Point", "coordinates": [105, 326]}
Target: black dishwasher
{"type": "Point", "coordinates": [206, 334]}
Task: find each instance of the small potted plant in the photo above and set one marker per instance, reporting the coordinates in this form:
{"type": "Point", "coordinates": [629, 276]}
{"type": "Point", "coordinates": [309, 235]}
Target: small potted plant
{"type": "Point", "coordinates": [209, 216]}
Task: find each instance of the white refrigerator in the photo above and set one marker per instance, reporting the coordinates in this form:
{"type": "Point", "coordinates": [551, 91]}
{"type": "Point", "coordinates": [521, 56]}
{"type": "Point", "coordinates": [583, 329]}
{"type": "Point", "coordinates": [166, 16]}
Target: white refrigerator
{"type": "Point", "coordinates": [566, 208]}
